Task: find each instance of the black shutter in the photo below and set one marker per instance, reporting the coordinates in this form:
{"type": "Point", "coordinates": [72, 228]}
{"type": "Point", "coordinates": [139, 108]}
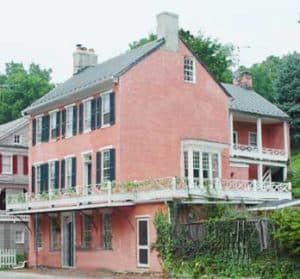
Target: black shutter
{"type": "Point", "coordinates": [62, 174]}
{"type": "Point", "coordinates": [98, 112]}
{"type": "Point", "coordinates": [32, 179]}
{"type": "Point", "coordinates": [63, 122]}
{"type": "Point", "coordinates": [74, 120]}
{"type": "Point", "coordinates": [112, 159]}
{"type": "Point", "coordinates": [73, 183]}
{"type": "Point", "coordinates": [46, 178]}
{"type": "Point", "coordinates": [112, 107]}
{"type": "Point", "coordinates": [41, 178]}
{"type": "Point", "coordinates": [45, 128]}
{"type": "Point", "coordinates": [80, 118]}
{"type": "Point", "coordinates": [98, 167]}
{"type": "Point", "coordinates": [93, 114]}
{"type": "Point", "coordinates": [33, 132]}
{"type": "Point", "coordinates": [56, 182]}
{"type": "Point", "coordinates": [57, 132]}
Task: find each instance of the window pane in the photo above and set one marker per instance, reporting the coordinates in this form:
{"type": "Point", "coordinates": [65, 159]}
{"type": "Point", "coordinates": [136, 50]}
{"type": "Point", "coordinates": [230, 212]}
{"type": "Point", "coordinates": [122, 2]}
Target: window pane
{"type": "Point", "coordinates": [189, 69]}
{"type": "Point", "coordinates": [143, 256]}
{"type": "Point", "coordinates": [107, 231]}
{"type": "Point", "coordinates": [143, 232]}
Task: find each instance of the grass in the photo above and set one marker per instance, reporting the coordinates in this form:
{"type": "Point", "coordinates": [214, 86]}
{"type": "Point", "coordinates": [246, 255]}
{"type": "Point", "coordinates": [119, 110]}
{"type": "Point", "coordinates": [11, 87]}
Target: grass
{"type": "Point", "coordinates": [295, 173]}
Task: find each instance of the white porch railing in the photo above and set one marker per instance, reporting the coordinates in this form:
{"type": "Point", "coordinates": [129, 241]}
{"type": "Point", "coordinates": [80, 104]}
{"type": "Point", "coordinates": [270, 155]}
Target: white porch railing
{"type": "Point", "coordinates": [169, 188]}
{"type": "Point", "coordinates": [4, 217]}
{"type": "Point", "coordinates": [8, 258]}
{"type": "Point", "coordinates": [253, 152]}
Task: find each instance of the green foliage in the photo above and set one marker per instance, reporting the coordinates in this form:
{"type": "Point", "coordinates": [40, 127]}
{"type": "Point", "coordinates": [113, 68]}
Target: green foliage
{"type": "Point", "coordinates": [288, 87]}
{"type": "Point", "coordinates": [20, 87]}
{"type": "Point", "coordinates": [202, 262]}
{"type": "Point", "coordinates": [264, 76]}
{"type": "Point", "coordinates": [217, 57]}
{"type": "Point", "coordinates": [288, 231]}
{"type": "Point", "coordinates": [294, 175]}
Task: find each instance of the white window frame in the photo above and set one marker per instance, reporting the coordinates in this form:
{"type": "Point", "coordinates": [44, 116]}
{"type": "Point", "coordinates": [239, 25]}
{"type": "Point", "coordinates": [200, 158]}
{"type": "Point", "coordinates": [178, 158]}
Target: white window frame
{"type": "Point", "coordinates": [38, 180]}
{"type": "Point", "coordinates": [10, 165]}
{"type": "Point", "coordinates": [105, 110]}
{"type": "Point", "coordinates": [87, 115]}
{"type": "Point", "coordinates": [142, 246]}
{"type": "Point", "coordinates": [189, 72]}
{"type": "Point", "coordinates": [53, 121]}
{"type": "Point", "coordinates": [20, 240]}
{"type": "Point", "coordinates": [249, 138]}
{"type": "Point", "coordinates": [39, 128]}
{"type": "Point", "coordinates": [68, 167]}
{"type": "Point", "coordinates": [69, 120]}
{"type": "Point", "coordinates": [103, 178]}
{"type": "Point", "coordinates": [51, 175]}
{"type": "Point", "coordinates": [104, 229]}
{"type": "Point", "coordinates": [19, 141]}
{"type": "Point", "coordinates": [86, 231]}
{"type": "Point", "coordinates": [54, 243]}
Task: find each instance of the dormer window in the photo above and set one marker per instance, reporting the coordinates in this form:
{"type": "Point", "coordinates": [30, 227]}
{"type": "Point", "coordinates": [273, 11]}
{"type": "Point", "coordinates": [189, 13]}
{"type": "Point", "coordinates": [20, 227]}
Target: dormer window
{"type": "Point", "coordinates": [17, 139]}
{"type": "Point", "coordinates": [189, 69]}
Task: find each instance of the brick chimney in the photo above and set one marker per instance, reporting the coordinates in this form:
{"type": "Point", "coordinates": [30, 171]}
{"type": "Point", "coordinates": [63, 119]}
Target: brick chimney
{"type": "Point", "coordinates": [167, 28]}
{"type": "Point", "coordinates": [244, 80]}
{"type": "Point", "coordinates": [83, 58]}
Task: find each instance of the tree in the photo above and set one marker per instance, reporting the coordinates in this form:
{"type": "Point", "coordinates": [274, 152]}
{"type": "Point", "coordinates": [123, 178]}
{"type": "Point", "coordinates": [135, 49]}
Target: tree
{"type": "Point", "coordinates": [218, 58]}
{"type": "Point", "coordinates": [20, 87]}
{"type": "Point", "coordinates": [264, 76]}
{"type": "Point", "coordinates": [288, 87]}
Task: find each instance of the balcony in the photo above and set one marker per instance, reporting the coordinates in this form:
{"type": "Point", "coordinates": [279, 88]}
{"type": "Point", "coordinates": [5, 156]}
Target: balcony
{"type": "Point", "coordinates": [152, 190]}
{"type": "Point", "coordinates": [243, 150]}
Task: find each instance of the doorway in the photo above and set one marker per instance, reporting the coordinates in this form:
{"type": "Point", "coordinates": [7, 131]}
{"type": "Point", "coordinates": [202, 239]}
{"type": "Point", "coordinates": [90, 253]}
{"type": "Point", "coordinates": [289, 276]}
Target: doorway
{"type": "Point", "coordinates": [68, 237]}
{"type": "Point", "coordinates": [143, 247]}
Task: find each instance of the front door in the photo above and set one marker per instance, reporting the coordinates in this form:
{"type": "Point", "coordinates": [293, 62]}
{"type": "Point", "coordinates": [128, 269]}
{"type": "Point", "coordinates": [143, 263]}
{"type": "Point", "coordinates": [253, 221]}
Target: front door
{"type": "Point", "coordinates": [68, 245]}
{"type": "Point", "coordinates": [143, 247]}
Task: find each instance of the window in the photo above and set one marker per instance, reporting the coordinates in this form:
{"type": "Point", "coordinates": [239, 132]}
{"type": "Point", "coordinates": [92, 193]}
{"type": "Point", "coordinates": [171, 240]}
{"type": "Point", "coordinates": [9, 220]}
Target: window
{"type": "Point", "coordinates": [69, 121]}
{"type": "Point", "coordinates": [17, 139]}
{"type": "Point", "coordinates": [106, 109]}
{"type": "Point", "coordinates": [69, 172]}
{"type": "Point", "coordinates": [186, 164]}
{"type": "Point", "coordinates": [252, 139]}
{"type": "Point", "coordinates": [205, 165]}
{"type": "Point", "coordinates": [189, 69]}
{"type": "Point", "coordinates": [106, 230]}
{"type": "Point", "coordinates": [143, 243]}
{"type": "Point", "coordinates": [196, 166]}
{"type": "Point", "coordinates": [106, 165]}
{"type": "Point", "coordinates": [6, 164]}
{"type": "Point", "coordinates": [87, 106]}
{"type": "Point", "coordinates": [215, 165]}
{"type": "Point", "coordinates": [52, 175]}
{"type": "Point", "coordinates": [38, 231]}
{"type": "Point", "coordinates": [54, 236]}
{"type": "Point", "coordinates": [38, 178]}
{"type": "Point", "coordinates": [235, 137]}
{"type": "Point", "coordinates": [39, 129]}
{"type": "Point", "coordinates": [86, 231]}
{"type": "Point", "coordinates": [19, 237]}
{"type": "Point", "coordinates": [53, 124]}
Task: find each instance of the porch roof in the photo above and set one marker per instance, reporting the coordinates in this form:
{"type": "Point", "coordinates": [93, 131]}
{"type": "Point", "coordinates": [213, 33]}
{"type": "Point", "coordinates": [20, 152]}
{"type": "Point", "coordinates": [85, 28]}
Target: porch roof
{"type": "Point", "coordinates": [272, 205]}
{"type": "Point", "coordinates": [246, 100]}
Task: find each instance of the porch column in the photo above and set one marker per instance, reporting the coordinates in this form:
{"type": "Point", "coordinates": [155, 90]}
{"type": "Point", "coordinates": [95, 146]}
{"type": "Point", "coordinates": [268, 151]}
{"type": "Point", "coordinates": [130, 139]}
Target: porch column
{"type": "Point", "coordinates": [286, 139]}
{"type": "Point", "coordinates": [231, 131]}
{"type": "Point", "coordinates": [190, 168]}
{"type": "Point", "coordinates": [260, 173]}
{"type": "Point", "coordinates": [259, 136]}
{"type": "Point", "coordinates": [285, 173]}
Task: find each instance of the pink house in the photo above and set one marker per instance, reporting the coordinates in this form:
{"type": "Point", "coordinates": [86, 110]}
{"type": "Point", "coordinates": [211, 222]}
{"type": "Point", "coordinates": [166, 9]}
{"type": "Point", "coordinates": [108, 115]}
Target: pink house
{"type": "Point", "coordinates": [116, 141]}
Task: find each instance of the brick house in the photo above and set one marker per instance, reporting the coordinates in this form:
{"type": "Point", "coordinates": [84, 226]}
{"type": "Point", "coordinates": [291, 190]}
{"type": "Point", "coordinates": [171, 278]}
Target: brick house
{"type": "Point", "coordinates": [13, 180]}
{"type": "Point", "coordinates": [116, 141]}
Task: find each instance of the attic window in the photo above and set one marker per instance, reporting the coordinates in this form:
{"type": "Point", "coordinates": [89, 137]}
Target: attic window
{"type": "Point", "coordinates": [189, 69]}
{"type": "Point", "coordinates": [17, 139]}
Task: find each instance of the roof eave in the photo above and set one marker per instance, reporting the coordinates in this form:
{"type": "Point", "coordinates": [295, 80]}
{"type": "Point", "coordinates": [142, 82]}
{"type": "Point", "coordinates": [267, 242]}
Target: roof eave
{"type": "Point", "coordinates": [286, 118]}
{"type": "Point", "coordinates": [103, 85]}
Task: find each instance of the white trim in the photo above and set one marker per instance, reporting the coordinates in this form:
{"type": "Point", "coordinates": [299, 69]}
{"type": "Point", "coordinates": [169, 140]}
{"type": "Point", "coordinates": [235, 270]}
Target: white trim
{"type": "Point", "coordinates": [69, 156]}
{"type": "Point", "coordinates": [22, 240]}
{"type": "Point", "coordinates": [143, 246]}
{"type": "Point", "coordinates": [249, 161]}
{"type": "Point", "coordinates": [106, 92]}
{"type": "Point", "coordinates": [70, 105]}
{"type": "Point", "coordinates": [145, 216]}
{"type": "Point", "coordinates": [106, 147]}
{"type": "Point", "coordinates": [51, 160]}
{"type": "Point", "coordinates": [36, 164]}
{"type": "Point", "coordinates": [86, 153]}
{"type": "Point", "coordinates": [54, 110]}
{"type": "Point", "coordinates": [194, 68]}
{"type": "Point", "coordinates": [206, 146]}
{"type": "Point", "coordinates": [236, 134]}
{"type": "Point", "coordinates": [239, 165]}
{"type": "Point", "coordinates": [285, 139]}
{"type": "Point", "coordinates": [11, 163]}
{"type": "Point", "coordinates": [87, 99]}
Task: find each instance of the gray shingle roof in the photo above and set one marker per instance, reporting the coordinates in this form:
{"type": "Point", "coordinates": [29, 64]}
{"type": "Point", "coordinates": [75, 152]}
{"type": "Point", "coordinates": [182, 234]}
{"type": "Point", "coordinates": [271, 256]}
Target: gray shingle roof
{"type": "Point", "coordinates": [11, 126]}
{"type": "Point", "coordinates": [249, 101]}
{"type": "Point", "coordinates": [90, 76]}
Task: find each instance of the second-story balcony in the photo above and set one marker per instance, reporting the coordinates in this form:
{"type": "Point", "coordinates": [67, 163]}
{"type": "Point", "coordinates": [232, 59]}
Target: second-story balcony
{"type": "Point", "coordinates": [258, 138]}
{"type": "Point", "coordinates": [152, 190]}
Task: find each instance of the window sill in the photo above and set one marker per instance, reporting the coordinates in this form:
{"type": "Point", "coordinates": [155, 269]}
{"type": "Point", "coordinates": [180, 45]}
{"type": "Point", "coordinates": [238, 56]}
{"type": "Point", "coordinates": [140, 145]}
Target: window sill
{"type": "Point", "coordinates": [190, 82]}
{"type": "Point", "coordinates": [87, 130]}
{"type": "Point", "coordinates": [105, 126]}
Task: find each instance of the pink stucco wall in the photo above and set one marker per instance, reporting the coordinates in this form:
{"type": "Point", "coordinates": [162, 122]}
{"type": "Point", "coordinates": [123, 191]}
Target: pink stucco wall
{"type": "Point", "coordinates": [123, 255]}
{"type": "Point", "coordinates": [239, 172]}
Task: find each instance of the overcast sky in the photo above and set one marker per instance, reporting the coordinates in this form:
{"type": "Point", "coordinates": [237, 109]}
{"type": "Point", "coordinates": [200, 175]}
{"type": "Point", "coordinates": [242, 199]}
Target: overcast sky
{"type": "Point", "coordinates": [45, 32]}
